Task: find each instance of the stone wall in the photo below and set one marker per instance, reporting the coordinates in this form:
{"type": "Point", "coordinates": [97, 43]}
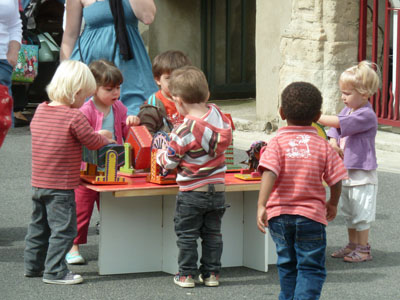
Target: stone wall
{"type": "Point", "coordinates": [319, 43]}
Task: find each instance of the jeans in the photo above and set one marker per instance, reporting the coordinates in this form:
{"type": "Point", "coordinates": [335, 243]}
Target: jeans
{"type": "Point", "coordinates": [300, 245]}
{"type": "Point", "coordinates": [50, 233]}
{"type": "Point", "coordinates": [199, 214]}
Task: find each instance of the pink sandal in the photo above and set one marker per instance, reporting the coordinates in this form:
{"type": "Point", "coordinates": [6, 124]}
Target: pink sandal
{"type": "Point", "coordinates": [346, 250]}
{"type": "Point", "coordinates": [360, 254]}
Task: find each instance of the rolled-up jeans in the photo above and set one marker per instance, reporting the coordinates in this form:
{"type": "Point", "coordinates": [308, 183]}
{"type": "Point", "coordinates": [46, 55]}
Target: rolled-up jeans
{"type": "Point", "coordinates": [199, 215]}
{"type": "Point", "coordinates": [300, 245]}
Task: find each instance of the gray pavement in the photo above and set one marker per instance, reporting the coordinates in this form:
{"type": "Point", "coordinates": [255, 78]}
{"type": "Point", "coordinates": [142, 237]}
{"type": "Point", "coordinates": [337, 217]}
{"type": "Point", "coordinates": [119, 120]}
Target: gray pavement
{"type": "Point", "coordinates": [377, 279]}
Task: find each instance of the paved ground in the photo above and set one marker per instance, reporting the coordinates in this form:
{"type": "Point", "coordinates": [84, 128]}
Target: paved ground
{"type": "Point", "coordinates": [377, 279]}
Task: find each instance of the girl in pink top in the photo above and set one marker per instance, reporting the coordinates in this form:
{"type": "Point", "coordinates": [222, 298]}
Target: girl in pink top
{"type": "Point", "coordinates": [103, 111]}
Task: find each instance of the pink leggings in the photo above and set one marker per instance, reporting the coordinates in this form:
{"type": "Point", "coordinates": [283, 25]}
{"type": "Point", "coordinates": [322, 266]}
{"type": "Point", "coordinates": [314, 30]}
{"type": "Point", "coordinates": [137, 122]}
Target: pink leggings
{"type": "Point", "coordinates": [85, 200]}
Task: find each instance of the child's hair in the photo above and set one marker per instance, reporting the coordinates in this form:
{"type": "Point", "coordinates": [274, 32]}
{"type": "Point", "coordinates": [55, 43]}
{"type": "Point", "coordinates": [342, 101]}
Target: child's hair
{"type": "Point", "coordinates": [169, 61]}
{"type": "Point", "coordinates": [301, 103]}
{"type": "Point", "coordinates": [70, 78]}
{"type": "Point", "coordinates": [190, 84]}
{"type": "Point", "coordinates": [362, 77]}
{"type": "Point", "coordinates": [106, 73]}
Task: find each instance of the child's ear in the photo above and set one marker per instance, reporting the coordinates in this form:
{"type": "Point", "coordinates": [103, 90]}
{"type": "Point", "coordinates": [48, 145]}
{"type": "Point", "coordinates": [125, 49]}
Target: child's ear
{"type": "Point", "coordinates": [317, 117]}
{"type": "Point", "coordinates": [157, 80]}
{"type": "Point", "coordinates": [282, 114]}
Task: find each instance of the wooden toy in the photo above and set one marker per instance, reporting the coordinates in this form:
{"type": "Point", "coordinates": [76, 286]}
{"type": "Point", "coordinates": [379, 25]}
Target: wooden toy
{"type": "Point", "coordinates": [229, 153]}
{"type": "Point", "coordinates": [108, 157]}
{"type": "Point", "coordinates": [97, 157]}
{"type": "Point", "coordinates": [158, 174]}
{"type": "Point", "coordinates": [140, 139]}
{"type": "Point", "coordinates": [253, 159]}
{"type": "Point", "coordinates": [320, 129]}
{"type": "Point", "coordinates": [127, 167]}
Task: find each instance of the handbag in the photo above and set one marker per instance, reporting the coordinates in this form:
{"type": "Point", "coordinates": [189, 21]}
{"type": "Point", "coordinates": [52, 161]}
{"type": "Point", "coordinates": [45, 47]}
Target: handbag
{"type": "Point", "coordinates": [27, 65]}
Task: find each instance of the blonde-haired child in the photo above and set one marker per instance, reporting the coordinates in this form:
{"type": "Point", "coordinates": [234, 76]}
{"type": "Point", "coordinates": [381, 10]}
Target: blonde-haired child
{"type": "Point", "coordinates": [103, 111]}
{"type": "Point", "coordinates": [352, 134]}
{"type": "Point", "coordinates": [58, 131]}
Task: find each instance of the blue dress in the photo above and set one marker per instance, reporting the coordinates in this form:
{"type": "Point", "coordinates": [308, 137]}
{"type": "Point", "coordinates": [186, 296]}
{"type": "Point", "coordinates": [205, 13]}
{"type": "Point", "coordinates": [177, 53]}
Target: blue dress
{"type": "Point", "coordinates": [97, 41]}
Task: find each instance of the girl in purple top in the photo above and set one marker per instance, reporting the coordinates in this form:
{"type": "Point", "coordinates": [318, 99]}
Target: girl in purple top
{"type": "Point", "coordinates": [352, 135]}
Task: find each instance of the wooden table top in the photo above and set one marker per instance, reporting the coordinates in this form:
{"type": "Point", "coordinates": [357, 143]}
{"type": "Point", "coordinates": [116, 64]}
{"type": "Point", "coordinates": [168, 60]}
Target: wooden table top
{"type": "Point", "coordinates": [137, 186]}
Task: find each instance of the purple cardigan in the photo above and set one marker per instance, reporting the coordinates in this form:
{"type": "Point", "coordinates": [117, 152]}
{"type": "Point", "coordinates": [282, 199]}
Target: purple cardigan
{"type": "Point", "coordinates": [360, 128]}
{"type": "Point", "coordinates": [95, 118]}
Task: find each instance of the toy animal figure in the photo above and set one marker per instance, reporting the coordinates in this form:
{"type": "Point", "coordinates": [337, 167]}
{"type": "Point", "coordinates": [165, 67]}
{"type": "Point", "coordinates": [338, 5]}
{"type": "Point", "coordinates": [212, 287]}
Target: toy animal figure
{"type": "Point", "coordinates": [254, 155]}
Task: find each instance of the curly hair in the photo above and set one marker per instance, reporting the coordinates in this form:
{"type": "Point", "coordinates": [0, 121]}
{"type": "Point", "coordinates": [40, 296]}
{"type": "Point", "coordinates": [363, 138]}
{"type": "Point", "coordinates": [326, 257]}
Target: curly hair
{"type": "Point", "coordinates": [301, 103]}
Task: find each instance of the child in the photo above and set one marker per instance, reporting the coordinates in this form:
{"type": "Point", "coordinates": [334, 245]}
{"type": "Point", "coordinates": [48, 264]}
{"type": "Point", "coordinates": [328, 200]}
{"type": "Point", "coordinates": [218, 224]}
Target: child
{"type": "Point", "coordinates": [103, 111]}
{"type": "Point", "coordinates": [159, 111]}
{"type": "Point", "coordinates": [292, 197]}
{"type": "Point", "coordinates": [197, 151]}
{"type": "Point", "coordinates": [352, 134]}
{"type": "Point", "coordinates": [58, 130]}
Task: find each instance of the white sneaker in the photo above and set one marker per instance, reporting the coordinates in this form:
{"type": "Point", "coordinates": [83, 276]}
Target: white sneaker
{"type": "Point", "coordinates": [184, 281]}
{"type": "Point", "coordinates": [74, 258]}
{"type": "Point", "coordinates": [212, 280]}
{"type": "Point", "coordinates": [69, 278]}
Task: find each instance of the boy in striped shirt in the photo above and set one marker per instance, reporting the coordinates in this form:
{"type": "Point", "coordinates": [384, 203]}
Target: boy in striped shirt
{"type": "Point", "coordinates": [292, 198]}
{"type": "Point", "coordinates": [59, 129]}
{"type": "Point", "coordinates": [197, 149]}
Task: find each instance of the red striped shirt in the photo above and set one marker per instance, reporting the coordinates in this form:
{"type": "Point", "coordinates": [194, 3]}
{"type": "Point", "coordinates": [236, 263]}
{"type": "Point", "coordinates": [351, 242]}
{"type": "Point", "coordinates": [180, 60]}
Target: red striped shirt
{"type": "Point", "coordinates": [301, 160]}
{"type": "Point", "coordinates": [58, 133]}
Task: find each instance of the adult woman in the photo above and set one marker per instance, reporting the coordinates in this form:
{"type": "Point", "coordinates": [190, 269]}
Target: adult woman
{"type": "Point", "coordinates": [10, 39]}
{"type": "Point", "coordinates": [111, 33]}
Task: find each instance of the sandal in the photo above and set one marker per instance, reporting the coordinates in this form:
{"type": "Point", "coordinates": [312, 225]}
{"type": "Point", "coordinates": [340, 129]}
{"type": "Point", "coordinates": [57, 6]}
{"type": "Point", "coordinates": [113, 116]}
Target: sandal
{"type": "Point", "coordinates": [346, 250]}
{"type": "Point", "coordinates": [360, 254]}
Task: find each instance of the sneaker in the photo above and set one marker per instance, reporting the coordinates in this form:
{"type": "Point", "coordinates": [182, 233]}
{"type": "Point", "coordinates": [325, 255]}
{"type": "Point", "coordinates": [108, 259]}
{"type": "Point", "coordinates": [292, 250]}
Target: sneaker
{"type": "Point", "coordinates": [74, 258]}
{"type": "Point", "coordinates": [212, 280]}
{"type": "Point", "coordinates": [184, 281]}
{"type": "Point", "coordinates": [69, 278]}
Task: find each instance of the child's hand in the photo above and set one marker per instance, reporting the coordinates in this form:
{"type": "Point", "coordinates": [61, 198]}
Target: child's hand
{"type": "Point", "coordinates": [336, 147]}
{"type": "Point", "coordinates": [262, 220]}
{"type": "Point", "coordinates": [331, 211]}
{"type": "Point", "coordinates": [132, 121]}
{"type": "Point", "coordinates": [108, 135]}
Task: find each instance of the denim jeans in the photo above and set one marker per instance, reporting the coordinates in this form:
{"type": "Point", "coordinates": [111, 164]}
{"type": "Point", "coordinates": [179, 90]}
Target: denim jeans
{"type": "Point", "coordinates": [199, 214]}
{"type": "Point", "coordinates": [50, 233]}
{"type": "Point", "coordinates": [300, 245]}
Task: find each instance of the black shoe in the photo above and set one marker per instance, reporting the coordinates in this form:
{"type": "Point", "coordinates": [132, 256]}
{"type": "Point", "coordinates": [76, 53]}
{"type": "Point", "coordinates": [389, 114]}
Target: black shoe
{"type": "Point", "coordinates": [20, 122]}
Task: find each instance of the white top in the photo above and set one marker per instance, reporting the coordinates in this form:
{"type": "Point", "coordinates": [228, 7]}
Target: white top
{"type": "Point", "coordinates": [10, 25]}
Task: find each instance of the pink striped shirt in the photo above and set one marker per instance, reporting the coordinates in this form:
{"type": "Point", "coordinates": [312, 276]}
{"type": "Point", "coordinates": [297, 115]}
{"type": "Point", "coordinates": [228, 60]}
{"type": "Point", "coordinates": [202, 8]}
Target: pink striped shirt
{"type": "Point", "coordinates": [58, 133]}
{"type": "Point", "coordinates": [301, 160]}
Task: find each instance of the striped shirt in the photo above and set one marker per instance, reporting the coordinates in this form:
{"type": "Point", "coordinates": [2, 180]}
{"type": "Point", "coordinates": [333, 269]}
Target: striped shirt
{"type": "Point", "coordinates": [197, 150]}
{"type": "Point", "coordinates": [58, 133]}
{"type": "Point", "coordinates": [301, 160]}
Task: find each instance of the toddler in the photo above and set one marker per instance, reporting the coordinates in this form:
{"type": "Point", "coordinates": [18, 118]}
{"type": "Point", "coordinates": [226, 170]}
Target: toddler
{"type": "Point", "coordinates": [352, 134]}
{"type": "Point", "coordinates": [292, 198]}
{"type": "Point", "coordinates": [58, 131]}
{"type": "Point", "coordinates": [104, 111]}
{"type": "Point", "coordinates": [197, 149]}
{"type": "Point", "coordinates": [159, 111]}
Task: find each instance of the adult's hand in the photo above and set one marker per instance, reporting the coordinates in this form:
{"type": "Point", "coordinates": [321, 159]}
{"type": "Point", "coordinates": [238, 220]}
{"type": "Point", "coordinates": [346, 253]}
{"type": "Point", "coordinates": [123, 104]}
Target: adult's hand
{"type": "Point", "coordinates": [12, 53]}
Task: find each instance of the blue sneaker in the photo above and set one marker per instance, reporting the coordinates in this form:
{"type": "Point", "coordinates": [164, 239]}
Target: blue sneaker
{"type": "Point", "coordinates": [69, 278]}
{"type": "Point", "coordinates": [74, 258]}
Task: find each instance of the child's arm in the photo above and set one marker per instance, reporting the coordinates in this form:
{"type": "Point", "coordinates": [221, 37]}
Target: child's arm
{"type": "Point", "coordinates": [132, 121]}
{"type": "Point", "coordinates": [267, 182]}
{"type": "Point", "coordinates": [108, 134]}
{"type": "Point", "coordinates": [331, 205]}
{"type": "Point", "coordinates": [333, 142]}
{"type": "Point", "coordinates": [331, 121]}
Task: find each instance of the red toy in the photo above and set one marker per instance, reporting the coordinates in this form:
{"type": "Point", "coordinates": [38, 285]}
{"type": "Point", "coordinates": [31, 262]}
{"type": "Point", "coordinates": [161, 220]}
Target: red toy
{"type": "Point", "coordinates": [140, 139]}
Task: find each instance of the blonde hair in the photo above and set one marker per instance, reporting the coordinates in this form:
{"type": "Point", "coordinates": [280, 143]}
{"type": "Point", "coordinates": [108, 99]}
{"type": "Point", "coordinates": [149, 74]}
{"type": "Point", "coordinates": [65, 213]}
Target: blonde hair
{"type": "Point", "coordinates": [190, 84]}
{"type": "Point", "coordinates": [70, 78]}
{"type": "Point", "coordinates": [362, 77]}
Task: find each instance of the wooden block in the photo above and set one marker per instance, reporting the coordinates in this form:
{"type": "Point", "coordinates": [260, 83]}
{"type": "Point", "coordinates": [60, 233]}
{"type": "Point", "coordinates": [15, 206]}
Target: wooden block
{"type": "Point", "coordinates": [140, 139]}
